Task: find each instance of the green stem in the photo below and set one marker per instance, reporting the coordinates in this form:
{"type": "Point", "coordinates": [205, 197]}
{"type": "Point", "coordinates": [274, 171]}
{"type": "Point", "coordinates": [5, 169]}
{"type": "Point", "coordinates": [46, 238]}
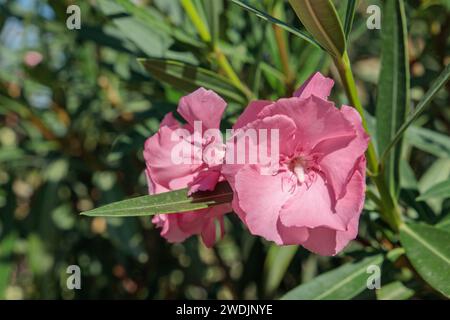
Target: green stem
{"type": "Point", "coordinates": [345, 71]}
{"type": "Point", "coordinates": [220, 57]}
{"type": "Point", "coordinates": [201, 27]}
{"type": "Point", "coordinates": [283, 48]}
{"type": "Point", "coordinates": [226, 67]}
{"type": "Point", "coordinates": [389, 208]}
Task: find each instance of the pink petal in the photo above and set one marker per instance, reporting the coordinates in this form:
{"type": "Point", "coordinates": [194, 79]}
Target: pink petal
{"type": "Point", "coordinates": [161, 168]}
{"type": "Point", "coordinates": [292, 235]}
{"type": "Point", "coordinates": [209, 233]}
{"type": "Point", "coordinates": [326, 241]}
{"type": "Point", "coordinates": [257, 150]}
{"type": "Point", "coordinates": [316, 119]}
{"type": "Point", "coordinates": [322, 241]}
{"type": "Point", "coordinates": [170, 230]}
{"type": "Point", "coordinates": [205, 180]}
{"type": "Point", "coordinates": [33, 58]}
{"type": "Point", "coordinates": [311, 207]}
{"type": "Point", "coordinates": [169, 121]}
{"type": "Point", "coordinates": [202, 105]}
{"type": "Point", "coordinates": [260, 201]}
{"type": "Point", "coordinates": [317, 85]}
{"type": "Point", "coordinates": [192, 222]}
{"type": "Point", "coordinates": [340, 155]}
{"type": "Point", "coordinates": [251, 113]}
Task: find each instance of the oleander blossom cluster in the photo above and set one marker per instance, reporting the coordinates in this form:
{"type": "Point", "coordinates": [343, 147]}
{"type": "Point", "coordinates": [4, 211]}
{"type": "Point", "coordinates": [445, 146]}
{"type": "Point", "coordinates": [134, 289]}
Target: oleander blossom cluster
{"type": "Point", "coordinates": [312, 196]}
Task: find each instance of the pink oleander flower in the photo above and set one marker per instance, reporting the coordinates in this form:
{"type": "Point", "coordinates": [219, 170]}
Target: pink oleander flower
{"type": "Point", "coordinates": [165, 172]}
{"type": "Point", "coordinates": [315, 194]}
{"type": "Point", "coordinates": [33, 58]}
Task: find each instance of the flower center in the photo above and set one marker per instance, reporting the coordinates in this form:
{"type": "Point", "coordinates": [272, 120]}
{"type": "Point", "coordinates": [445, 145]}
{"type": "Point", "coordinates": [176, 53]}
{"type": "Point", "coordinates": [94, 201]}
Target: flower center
{"type": "Point", "coordinates": [300, 169]}
{"type": "Point", "coordinates": [303, 168]}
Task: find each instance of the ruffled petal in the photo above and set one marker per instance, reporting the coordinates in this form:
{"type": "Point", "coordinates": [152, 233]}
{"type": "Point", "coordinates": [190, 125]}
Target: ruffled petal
{"type": "Point", "coordinates": [340, 155]}
{"type": "Point", "coordinates": [311, 207]}
{"type": "Point", "coordinates": [202, 105]}
{"type": "Point", "coordinates": [316, 120]}
{"type": "Point", "coordinates": [260, 200]}
{"type": "Point", "coordinates": [317, 85]}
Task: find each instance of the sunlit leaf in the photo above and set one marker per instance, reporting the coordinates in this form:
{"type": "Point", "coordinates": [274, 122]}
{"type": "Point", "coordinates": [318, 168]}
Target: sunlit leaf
{"type": "Point", "coordinates": [168, 202]}
{"type": "Point", "coordinates": [440, 190]}
{"type": "Point", "coordinates": [344, 282]}
{"type": "Point", "coordinates": [394, 291]}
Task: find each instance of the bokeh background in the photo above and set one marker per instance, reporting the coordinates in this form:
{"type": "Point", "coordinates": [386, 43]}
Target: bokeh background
{"type": "Point", "coordinates": [76, 108]}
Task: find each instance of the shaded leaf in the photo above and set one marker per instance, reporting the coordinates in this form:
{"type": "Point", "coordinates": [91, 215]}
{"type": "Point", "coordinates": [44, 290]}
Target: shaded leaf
{"type": "Point", "coordinates": [265, 16]}
{"type": "Point", "coordinates": [437, 84]}
{"type": "Point", "coordinates": [189, 78]}
{"type": "Point", "coordinates": [321, 19]}
{"type": "Point", "coordinates": [277, 262]}
{"type": "Point", "coordinates": [349, 16]}
{"type": "Point", "coordinates": [393, 86]}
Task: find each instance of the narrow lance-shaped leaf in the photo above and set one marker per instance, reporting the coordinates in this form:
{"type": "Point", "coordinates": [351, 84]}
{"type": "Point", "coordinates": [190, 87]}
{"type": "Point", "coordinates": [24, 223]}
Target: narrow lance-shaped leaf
{"type": "Point", "coordinates": [428, 249]}
{"type": "Point", "coordinates": [349, 16]}
{"type": "Point", "coordinates": [394, 291]}
{"type": "Point", "coordinates": [342, 283]}
{"type": "Point", "coordinates": [393, 86]}
{"type": "Point", "coordinates": [265, 16]}
{"type": "Point", "coordinates": [168, 202]}
{"type": "Point", "coordinates": [321, 19]}
{"type": "Point", "coordinates": [440, 190]}
{"type": "Point", "coordinates": [437, 84]}
{"type": "Point", "coordinates": [433, 142]}
{"type": "Point", "coordinates": [277, 262]}
{"type": "Point", "coordinates": [188, 78]}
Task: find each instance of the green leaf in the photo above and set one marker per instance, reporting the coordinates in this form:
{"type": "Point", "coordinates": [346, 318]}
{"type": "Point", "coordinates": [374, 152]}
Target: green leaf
{"type": "Point", "coordinates": [440, 190]}
{"type": "Point", "coordinates": [6, 249]}
{"type": "Point", "coordinates": [437, 84]}
{"type": "Point", "coordinates": [428, 249]}
{"type": "Point", "coordinates": [277, 262]}
{"type": "Point", "coordinates": [321, 19]}
{"type": "Point", "coordinates": [168, 202]}
{"type": "Point", "coordinates": [349, 16]}
{"type": "Point", "coordinates": [444, 224]}
{"type": "Point", "coordinates": [394, 291]}
{"type": "Point", "coordinates": [393, 86]}
{"type": "Point", "coordinates": [342, 283]}
{"type": "Point", "coordinates": [157, 23]}
{"type": "Point", "coordinates": [213, 10]}
{"type": "Point", "coordinates": [430, 141]}
{"type": "Point", "coordinates": [188, 78]}
{"type": "Point", "coordinates": [149, 40]}
{"type": "Point", "coordinates": [265, 16]}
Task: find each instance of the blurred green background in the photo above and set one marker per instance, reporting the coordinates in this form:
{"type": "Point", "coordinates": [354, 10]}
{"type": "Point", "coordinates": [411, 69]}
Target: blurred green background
{"type": "Point", "coordinates": [72, 129]}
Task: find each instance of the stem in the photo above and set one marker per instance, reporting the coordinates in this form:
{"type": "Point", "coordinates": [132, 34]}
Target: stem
{"type": "Point", "coordinates": [201, 27]}
{"type": "Point", "coordinates": [283, 49]}
{"type": "Point", "coordinates": [389, 209]}
{"type": "Point", "coordinates": [226, 67]}
{"type": "Point", "coordinates": [221, 59]}
{"type": "Point", "coordinates": [345, 71]}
